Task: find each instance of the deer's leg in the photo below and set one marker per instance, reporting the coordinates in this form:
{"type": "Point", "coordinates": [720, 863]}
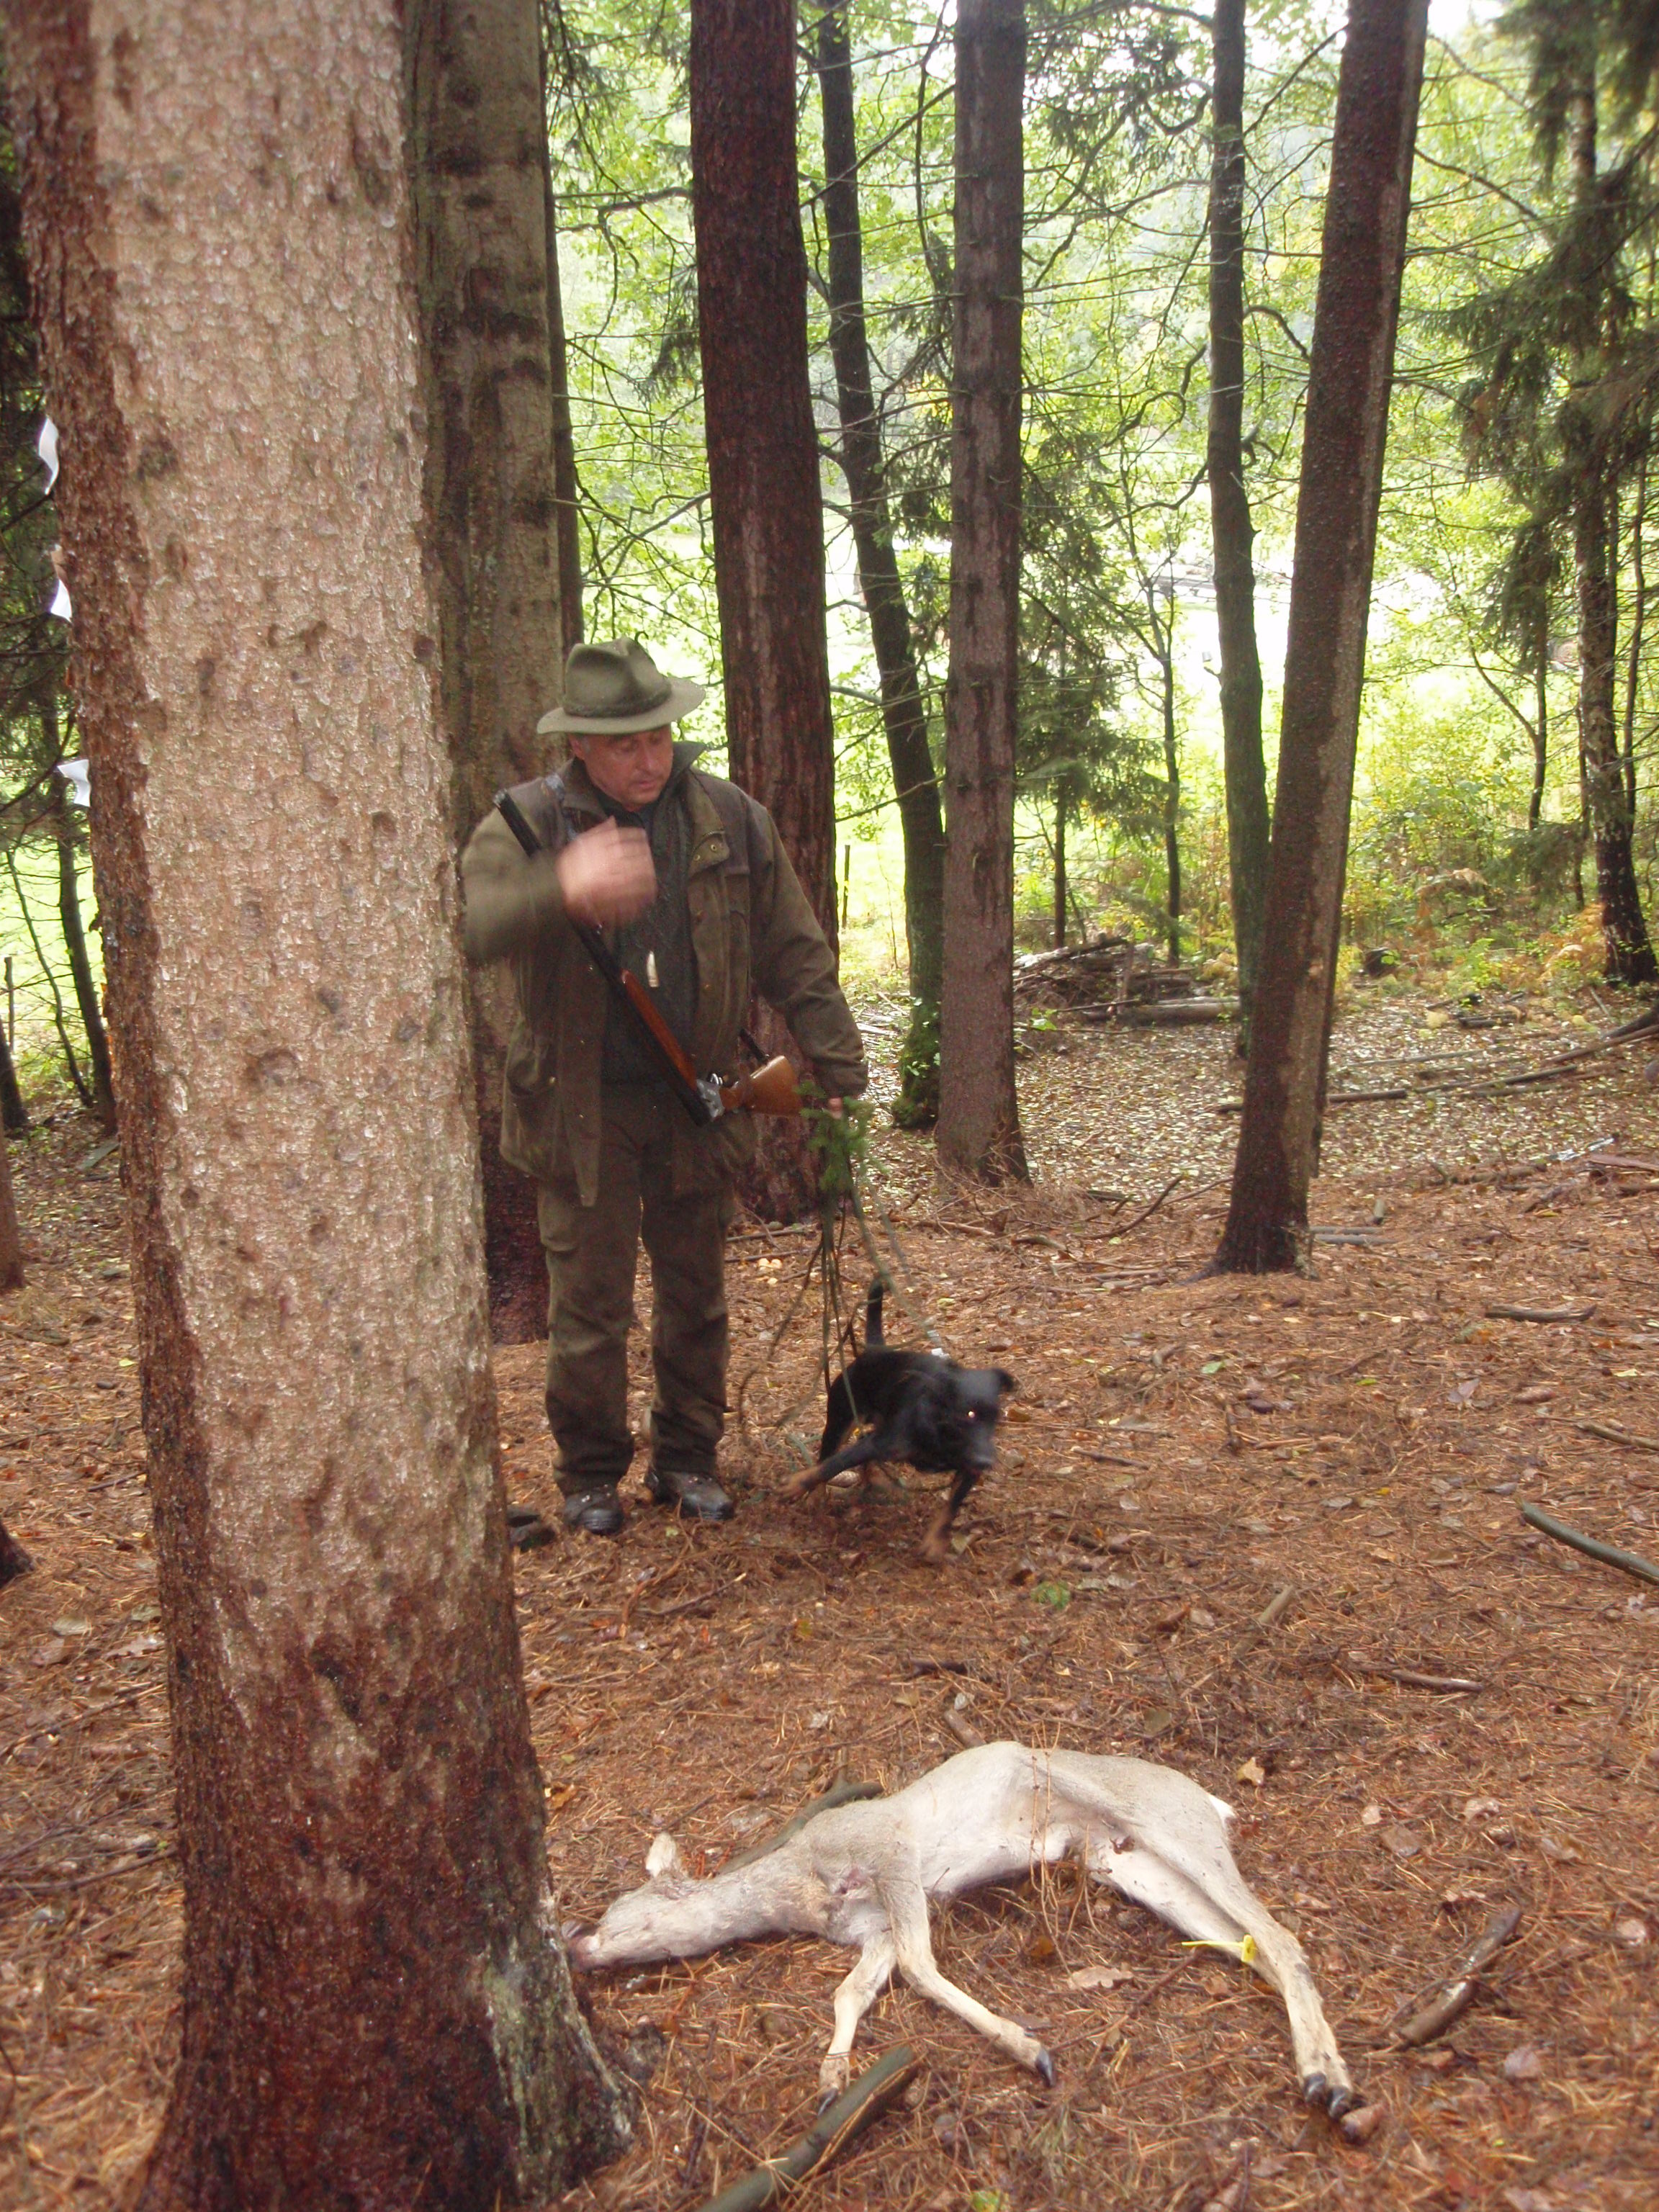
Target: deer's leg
{"type": "Point", "coordinates": [1211, 1902]}
{"type": "Point", "coordinates": [853, 1998]}
{"type": "Point", "coordinates": [907, 1912]}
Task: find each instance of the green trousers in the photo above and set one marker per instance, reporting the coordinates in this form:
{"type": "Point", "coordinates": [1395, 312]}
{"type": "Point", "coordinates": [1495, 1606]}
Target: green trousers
{"type": "Point", "coordinates": [592, 1252]}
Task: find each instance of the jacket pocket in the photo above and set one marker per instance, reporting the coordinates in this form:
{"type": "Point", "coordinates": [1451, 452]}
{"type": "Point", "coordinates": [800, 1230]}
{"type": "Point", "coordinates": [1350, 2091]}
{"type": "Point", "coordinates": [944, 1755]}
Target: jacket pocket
{"type": "Point", "coordinates": [529, 1104]}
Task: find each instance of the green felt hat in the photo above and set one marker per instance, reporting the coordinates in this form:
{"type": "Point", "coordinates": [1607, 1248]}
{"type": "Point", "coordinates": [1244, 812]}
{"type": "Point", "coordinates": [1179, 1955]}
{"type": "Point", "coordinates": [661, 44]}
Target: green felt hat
{"type": "Point", "coordinates": [613, 686]}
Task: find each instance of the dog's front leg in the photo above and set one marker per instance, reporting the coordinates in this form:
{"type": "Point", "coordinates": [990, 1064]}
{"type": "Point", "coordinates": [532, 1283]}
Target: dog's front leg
{"type": "Point", "coordinates": [853, 1998]}
{"type": "Point", "coordinates": [858, 1454]}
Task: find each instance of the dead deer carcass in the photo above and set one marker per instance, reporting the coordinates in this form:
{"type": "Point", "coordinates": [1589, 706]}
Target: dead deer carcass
{"type": "Point", "coordinates": [864, 1874]}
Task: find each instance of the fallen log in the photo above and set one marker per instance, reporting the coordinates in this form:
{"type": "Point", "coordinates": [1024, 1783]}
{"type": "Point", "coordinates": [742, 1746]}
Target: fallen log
{"type": "Point", "coordinates": [838, 2124]}
{"type": "Point", "coordinates": [1455, 1994]}
{"type": "Point", "coordinates": [1540, 1313]}
{"type": "Point", "coordinates": [1175, 1013]}
{"type": "Point", "coordinates": [1629, 1562]}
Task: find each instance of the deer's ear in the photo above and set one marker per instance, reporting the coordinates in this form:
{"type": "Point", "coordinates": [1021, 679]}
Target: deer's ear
{"type": "Point", "coordinates": [663, 1859]}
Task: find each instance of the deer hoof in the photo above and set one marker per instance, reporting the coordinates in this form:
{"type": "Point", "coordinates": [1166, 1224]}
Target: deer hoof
{"type": "Point", "coordinates": [1314, 2090]}
{"type": "Point", "coordinates": [1341, 2099]}
{"type": "Point", "coordinates": [832, 2080]}
{"type": "Point", "coordinates": [1045, 2068]}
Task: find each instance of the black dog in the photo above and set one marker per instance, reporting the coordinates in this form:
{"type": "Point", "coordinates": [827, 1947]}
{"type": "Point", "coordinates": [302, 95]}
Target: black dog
{"type": "Point", "coordinates": [920, 1407]}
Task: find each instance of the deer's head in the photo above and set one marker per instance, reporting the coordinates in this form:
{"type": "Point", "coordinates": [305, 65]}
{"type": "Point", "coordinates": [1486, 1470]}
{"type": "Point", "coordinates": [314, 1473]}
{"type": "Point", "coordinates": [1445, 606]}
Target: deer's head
{"type": "Point", "coordinates": [643, 1922]}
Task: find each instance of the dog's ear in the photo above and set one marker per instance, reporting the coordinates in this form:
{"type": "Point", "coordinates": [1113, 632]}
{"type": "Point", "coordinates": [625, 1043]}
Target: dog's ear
{"type": "Point", "coordinates": [1006, 1381]}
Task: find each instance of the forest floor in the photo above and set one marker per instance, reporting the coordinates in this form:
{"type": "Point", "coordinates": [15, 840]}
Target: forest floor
{"type": "Point", "coordinates": [1182, 1451]}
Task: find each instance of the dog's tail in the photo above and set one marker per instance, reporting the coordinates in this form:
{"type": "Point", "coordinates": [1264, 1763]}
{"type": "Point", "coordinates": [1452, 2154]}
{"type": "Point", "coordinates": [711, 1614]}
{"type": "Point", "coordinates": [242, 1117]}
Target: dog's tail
{"type": "Point", "coordinates": [872, 1336]}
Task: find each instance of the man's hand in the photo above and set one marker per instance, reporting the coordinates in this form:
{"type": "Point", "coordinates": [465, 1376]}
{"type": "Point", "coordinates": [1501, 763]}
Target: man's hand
{"type": "Point", "coordinates": [605, 875]}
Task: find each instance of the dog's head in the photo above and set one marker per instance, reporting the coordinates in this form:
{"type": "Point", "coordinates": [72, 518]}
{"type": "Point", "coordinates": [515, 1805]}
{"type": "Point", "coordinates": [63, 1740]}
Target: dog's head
{"type": "Point", "coordinates": [973, 1408]}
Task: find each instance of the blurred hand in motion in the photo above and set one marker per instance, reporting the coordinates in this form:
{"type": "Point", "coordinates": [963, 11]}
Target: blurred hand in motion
{"type": "Point", "coordinates": [605, 875]}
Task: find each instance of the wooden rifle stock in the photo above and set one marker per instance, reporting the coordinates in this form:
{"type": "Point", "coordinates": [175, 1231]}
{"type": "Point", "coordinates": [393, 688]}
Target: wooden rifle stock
{"type": "Point", "coordinates": [770, 1090]}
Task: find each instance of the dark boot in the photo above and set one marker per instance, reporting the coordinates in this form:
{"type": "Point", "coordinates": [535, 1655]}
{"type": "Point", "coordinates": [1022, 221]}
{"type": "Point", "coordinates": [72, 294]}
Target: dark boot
{"type": "Point", "coordinates": [594, 1512]}
{"type": "Point", "coordinates": [696, 1497]}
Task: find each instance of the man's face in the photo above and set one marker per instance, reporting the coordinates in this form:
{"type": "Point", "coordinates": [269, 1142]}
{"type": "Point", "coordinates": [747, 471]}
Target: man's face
{"type": "Point", "coordinates": [632, 769]}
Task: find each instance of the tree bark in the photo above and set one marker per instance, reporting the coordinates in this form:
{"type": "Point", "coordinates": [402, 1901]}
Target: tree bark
{"type": "Point", "coordinates": [1628, 952]}
{"type": "Point", "coordinates": [1541, 732]}
{"type": "Point", "coordinates": [903, 714]}
{"type": "Point", "coordinates": [11, 1229]}
{"type": "Point", "coordinates": [1060, 864]}
{"type": "Point", "coordinates": [14, 1559]}
{"type": "Point", "coordinates": [566, 490]}
{"type": "Point", "coordinates": [1356, 316]}
{"type": "Point", "coordinates": [979, 1132]}
{"type": "Point", "coordinates": [14, 1113]}
{"type": "Point", "coordinates": [1628, 955]}
{"type": "Point", "coordinates": [478, 156]}
{"type": "Point", "coordinates": [74, 939]}
{"type": "Point", "coordinates": [376, 2010]}
{"type": "Point", "coordinates": [1164, 646]}
{"type": "Point", "coordinates": [764, 492]}
{"type": "Point", "coordinates": [1232, 530]}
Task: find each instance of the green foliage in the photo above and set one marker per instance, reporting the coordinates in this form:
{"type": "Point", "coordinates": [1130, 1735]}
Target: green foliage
{"type": "Point", "coordinates": [839, 1144]}
{"type": "Point", "coordinates": [1525, 345]}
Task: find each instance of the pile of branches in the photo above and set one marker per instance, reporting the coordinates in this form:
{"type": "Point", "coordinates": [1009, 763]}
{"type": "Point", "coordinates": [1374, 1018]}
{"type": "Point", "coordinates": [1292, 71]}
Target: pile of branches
{"type": "Point", "coordinates": [1113, 979]}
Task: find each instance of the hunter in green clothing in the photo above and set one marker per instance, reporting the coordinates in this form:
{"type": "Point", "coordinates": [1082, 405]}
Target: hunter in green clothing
{"type": "Point", "coordinates": [687, 874]}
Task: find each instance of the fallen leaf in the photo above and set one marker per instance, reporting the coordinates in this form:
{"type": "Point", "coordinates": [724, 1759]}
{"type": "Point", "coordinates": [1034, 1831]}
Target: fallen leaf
{"type": "Point", "coordinates": [1553, 1848]}
{"type": "Point", "coordinates": [50, 1652]}
{"type": "Point", "coordinates": [1041, 1948]}
{"type": "Point", "coordinates": [1099, 1978]}
{"type": "Point", "coordinates": [1536, 1394]}
{"type": "Point", "coordinates": [1363, 2122]}
{"type": "Point", "coordinates": [1630, 1931]}
{"type": "Point", "coordinates": [71, 1624]}
{"type": "Point", "coordinates": [1400, 1841]}
{"type": "Point", "coordinates": [1524, 2063]}
{"type": "Point", "coordinates": [1254, 1772]}
{"type": "Point", "coordinates": [1371, 1817]}
{"type": "Point", "coordinates": [1481, 1808]}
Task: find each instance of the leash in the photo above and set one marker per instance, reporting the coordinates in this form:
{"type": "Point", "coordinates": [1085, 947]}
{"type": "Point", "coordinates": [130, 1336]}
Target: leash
{"type": "Point", "coordinates": [857, 1200]}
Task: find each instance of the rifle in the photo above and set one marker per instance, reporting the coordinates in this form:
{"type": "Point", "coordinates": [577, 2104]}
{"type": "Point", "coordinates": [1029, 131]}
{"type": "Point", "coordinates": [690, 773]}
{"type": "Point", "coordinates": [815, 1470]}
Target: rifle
{"type": "Point", "coordinates": [771, 1090]}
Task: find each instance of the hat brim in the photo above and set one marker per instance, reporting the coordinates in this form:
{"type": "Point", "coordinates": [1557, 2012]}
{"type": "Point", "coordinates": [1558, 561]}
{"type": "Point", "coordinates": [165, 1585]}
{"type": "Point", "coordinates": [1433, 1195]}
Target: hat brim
{"type": "Point", "coordinates": [682, 696]}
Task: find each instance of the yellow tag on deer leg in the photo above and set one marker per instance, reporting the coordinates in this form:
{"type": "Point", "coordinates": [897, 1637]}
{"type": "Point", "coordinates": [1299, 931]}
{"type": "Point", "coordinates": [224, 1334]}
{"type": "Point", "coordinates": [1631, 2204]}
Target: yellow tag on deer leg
{"type": "Point", "coordinates": [650, 970]}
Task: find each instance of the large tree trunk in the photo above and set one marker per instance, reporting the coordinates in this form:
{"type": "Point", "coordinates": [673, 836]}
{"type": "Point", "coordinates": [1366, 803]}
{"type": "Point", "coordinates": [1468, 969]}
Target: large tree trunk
{"type": "Point", "coordinates": [14, 1114]}
{"type": "Point", "coordinates": [375, 2007]}
{"type": "Point", "coordinates": [75, 938]}
{"type": "Point", "coordinates": [905, 716]}
{"type": "Point", "coordinates": [11, 1229]}
{"type": "Point", "coordinates": [478, 141]}
{"type": "Point", "coordinates": [1355, 319]}
{"type": "Point", "coordinates": [1232, 531]}
{"type": "Point", "coordinates": [566, 491]}
{"type": "Point", "coordinates": [14, 1559]}
{"type": "Point", "coordinates": [979, 1129]}
{"type": "Point", "coordinates": [764, 471]}
{"type": "Point", "coordinates": [1163, 631]}
{"type": "Point", "coordinates": [1060, 803]}
{"type": "Point", "coordinates": [1628, 952]}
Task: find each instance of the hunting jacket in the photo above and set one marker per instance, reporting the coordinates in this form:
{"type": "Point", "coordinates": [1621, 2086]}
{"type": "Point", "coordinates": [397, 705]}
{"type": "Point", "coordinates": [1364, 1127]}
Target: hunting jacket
{"type": "Point", "coordinates": [751, 930]}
